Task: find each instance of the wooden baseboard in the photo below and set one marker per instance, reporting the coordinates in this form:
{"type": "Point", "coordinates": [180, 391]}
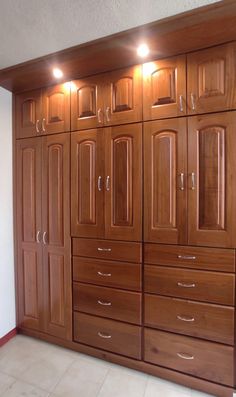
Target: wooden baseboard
{"type": "Point", "coordinates": [164, 373]}
{"type": "Point", "coordinates": [8, 336]}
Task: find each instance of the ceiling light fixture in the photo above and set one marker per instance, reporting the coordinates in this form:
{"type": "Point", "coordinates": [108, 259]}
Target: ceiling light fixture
{"type": "Point", "coordinates": [57, 73]}
{"type": "Point", "coordinates": [143, 50]}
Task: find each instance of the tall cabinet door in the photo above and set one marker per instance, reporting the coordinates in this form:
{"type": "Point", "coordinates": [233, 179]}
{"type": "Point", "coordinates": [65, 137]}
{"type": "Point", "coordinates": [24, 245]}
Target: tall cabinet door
{"type": "Point", "coordinates": [56, 109]}
{"type": "Point", "coordinates": [87, 183]}
{"type": "Point", "coordinates": [29, 255]}
{"type": "Point", "coordinates": [28, 108]}
{"type": "Point", "coordinates": [165, 178]}
{"type": "Point", "coordinates": [56, 235]}
{"type": "Point", "coordinates": [123, 184]}
{"type": "Point", "coordinates": [212, 180]}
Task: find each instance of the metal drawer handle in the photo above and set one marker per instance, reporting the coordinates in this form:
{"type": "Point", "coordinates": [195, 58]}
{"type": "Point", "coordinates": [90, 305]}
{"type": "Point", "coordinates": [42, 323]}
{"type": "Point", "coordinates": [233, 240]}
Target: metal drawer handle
{"type": "Point", "coordinates": [181, 105]}
{"type": "Point", "coordinates": [193, 101]}
{"type": "Point", "coordinates": [189, 320]}
{"type": "Point", "coordinates": [104, 336]}
{"type": "Point", "coordinates": [186, 285]}
{"type": "Point", "coordinates": [193, 180]}
{"type": "Point", "coordinates": [44, 238]}
{"type": "Point", "coordinates": [181, 181]}
{"type": "Point", "coordinates": [104, 274]}
{"type": "Point", "coordinates": [192, 258]}
{"type": "Point", "coordinates": [108, 114]}
{"type": "Point", "coordinates": [100, 116]}
{"type": "Point", "coordinates": [37, 126]}
{"type": "Point", "coordinates": [104, 249]}
{"type": "Point", "coordinates": [99, 183]}
{"type": "Point", "coordinates": [38, 237]}
{"type": "Point", "coordinates": [107, 183]}
{"type": "Point", "coordinates": [104, 303]}
{"type": "Point", "coordinates": [185, 356]}
{"type": "Point", "coordinates": [43, 125]}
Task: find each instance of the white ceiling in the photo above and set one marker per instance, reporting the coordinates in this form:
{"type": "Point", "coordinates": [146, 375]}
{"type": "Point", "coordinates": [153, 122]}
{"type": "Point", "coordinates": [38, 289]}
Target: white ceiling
{"type": "Point", "coordinates": [33, 28]}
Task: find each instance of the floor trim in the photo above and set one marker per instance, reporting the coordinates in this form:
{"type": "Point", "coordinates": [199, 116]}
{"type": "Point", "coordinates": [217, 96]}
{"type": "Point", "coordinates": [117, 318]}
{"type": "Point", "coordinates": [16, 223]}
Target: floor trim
{"type": "Point", "coordinates": [4, 339]}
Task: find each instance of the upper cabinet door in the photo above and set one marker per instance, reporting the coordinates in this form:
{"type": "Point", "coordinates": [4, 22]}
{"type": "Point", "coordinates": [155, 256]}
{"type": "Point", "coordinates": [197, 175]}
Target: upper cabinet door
{"type": "Point", "coordinates": [56, 235]}
{"type": "Point", "coordinates": [87, 103]}
{"type": "Point", "coordinates": [56, 109]}
{"type": "Point", "coordinates": [165, 179]}
{"type": "Point", "coordinates": [212, 180]}
{"type": "Point", "coordinates": [164, 88]}
{"type": "Point", "coordinates": [123, 96]}
{"type": "Point", "coordinates": [211, 79]}
{"type": "Point", "coordinates": [123, 184]}
{"type": "Point", "coordinates": [28, 108]}
{"type": "Point", "coordinates": [28, 224]}
{"type": "Point", "coordinates": [87, 183]}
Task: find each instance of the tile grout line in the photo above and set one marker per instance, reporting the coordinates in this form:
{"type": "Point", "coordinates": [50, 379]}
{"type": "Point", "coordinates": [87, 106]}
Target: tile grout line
{"type": "Point", "coordinates": [105, 377]}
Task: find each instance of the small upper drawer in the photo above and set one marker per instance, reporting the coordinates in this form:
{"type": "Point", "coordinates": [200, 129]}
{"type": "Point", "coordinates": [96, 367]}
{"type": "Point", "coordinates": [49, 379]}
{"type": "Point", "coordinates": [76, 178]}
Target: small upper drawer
{"type": "Point", "coordinates": [190, 284]}
{"type": "Point", "coordinates": [191, 257]}
{"type": "Point", "coordinates": [207, 360]}
{"type": "Point", "coordinates": [110, 274]}
{"type": "Point", "coordinates": [202, 320]}
{"type": "Point", "coordinates": [108, 249]}
{"type": "Point", "coordinates": [107, 302]}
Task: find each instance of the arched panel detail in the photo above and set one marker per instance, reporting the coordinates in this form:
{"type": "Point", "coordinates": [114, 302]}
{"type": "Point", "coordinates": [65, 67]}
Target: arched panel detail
{"type": "Point", "coordinates": [211, 78]}
{"type": "Point", "coordinates": [163, 83]}
{"type": "Point", "coordinates": [28, 113]}
{"type": "Point", "coordinates": [29, 194]}
{"type": "Point", "coordinates": [123, 94]}
{"type": "Point", "coordinates": [86, 101]}
{"type": "Point", "coordinates": [55, 107]}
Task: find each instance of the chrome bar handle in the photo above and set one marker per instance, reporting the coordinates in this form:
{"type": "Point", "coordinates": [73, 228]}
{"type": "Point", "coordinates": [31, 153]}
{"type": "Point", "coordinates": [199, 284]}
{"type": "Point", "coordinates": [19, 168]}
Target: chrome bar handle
{"type": "Point", "coordinates": [104, 274]}
{"type": "Point", "coordinates": [193, 180]}
{"type": "Point", "coordinates": [43, 125]}
{"type": "Point", "coordinates": [187, 257]}
{"type": "Point", "coordinates": [186, 319]}
{"type": "Point", "coordinates": [181, 103]}
{"type": "Point", "coordinates": [104, 303]}
{"type": "Point", "coordinates": [107, 183]}
{"type": "Point", "coordinates": [181, 181]}
{"type": "Point", "coordinates": [100, 115]}
{"type": "Point", "coordinates": [184, 285]}
{"type": "Point", "coordinates": [37, 126]}
{"type": "Point", "coordinates": [185, 356]}
{"type": "Point", "coordinates": [44, 238]}
{"type": "Point", "coordinates": [102, 335]}
{"type": "Point", "coordinates": [38, 237]}
{"type": "Point", "coordinates": [99, 183]}
{"type": "Point", "coordinates": [193, 101]}
{"type": "Point", "coordinates": [108, 113]}
{"type": "Point", "coordinates": [104, 249]}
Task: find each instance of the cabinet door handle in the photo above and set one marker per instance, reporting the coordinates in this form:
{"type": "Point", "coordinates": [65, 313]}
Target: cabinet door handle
{"type": "Point", "coordinates": [187, 257]}
{"type": "Point", "coordinates": [102, 335]}
{"type": "Point", "coordinates": [107, 183]}
{"type": "Point", "coordinates": [104, 303]}
{"type": "Point", "coordinates": [104, 249]}
{"type": "Point", "coordinates": [108, 114]}
{"type": "Point", "coordinates": [185, 356]}
{"type": "Point", "coordinates": [181, 103]}
{"type": "Point", "coordinates": [44, 238]}
{"type": "Point", "coordinates": [193, 104]}
{"type": "Point", "coordinates": [37, 126]}
{"type": "Point", "coordinates": [193, 181]}
{"type": "Point", "coordinates": [186, 319]}
{"type": "Point", "coordinates": [38, 237]}
{"type": "Point", "coordinates": [184, 285]}
{"type": "Point", "coordinates": [99, 183]}
{"type": "Point", "coordinates": [43, 125]}
{"type": "Point", "coordinates": [100, 115]}
{"type": "Point", "coordinates": [104, 274]}
{"type": "Point", "coordinates": [181, 181]}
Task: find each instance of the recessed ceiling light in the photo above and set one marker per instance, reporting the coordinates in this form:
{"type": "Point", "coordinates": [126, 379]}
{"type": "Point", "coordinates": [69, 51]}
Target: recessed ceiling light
{"type": "Point", "coordinates": [143, 50]}
{"type": "Point", "coordinates": [57, 73]}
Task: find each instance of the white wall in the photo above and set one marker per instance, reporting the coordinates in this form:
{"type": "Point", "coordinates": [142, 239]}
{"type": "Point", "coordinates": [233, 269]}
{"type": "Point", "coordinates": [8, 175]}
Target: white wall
{"type": "Point", "coordinates": [7, 295]}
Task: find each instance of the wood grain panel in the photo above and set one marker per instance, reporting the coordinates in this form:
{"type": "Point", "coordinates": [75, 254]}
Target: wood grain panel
{"type": "Point", "coordinates": [28, 114]}
{"type": "Point", "coordinates": [30, 286]}
{"type": "Point", "coordinates": [57, 291]}
{"type": "Point", "coordinates": [56, 109]}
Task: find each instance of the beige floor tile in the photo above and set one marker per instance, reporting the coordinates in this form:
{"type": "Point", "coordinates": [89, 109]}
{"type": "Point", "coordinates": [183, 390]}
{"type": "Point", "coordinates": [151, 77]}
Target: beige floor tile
{"type": "Point", "coordinates": [5, 382]}
{"type": "Point", "coordinates": [22, 389]}
{"type": "Point", "coordinates": [195, 393]}
{"type": "Point", "coordinates": [159, 388]}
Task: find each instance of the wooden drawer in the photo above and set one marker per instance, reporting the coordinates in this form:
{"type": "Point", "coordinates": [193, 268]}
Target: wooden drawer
{"type": "Point", "coordinates": [111, 274]}
{"type": "Point", "coordinates": [202, 320]}
{"type": "Point", "coordinates": [207, 360]}
{"type": "Point", "coordinates": [108, 249]}
{"type": "Point", "coordinates": [108, 302]}
{"type": "Point", "coordinates": [108, 335]}
{"type": "Point", "coordinates": [191, 284]}
{"type": "Point", "coordinates": [191, 257]}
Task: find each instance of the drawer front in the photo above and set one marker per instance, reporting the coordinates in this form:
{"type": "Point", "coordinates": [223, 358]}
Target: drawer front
{"type": "Point", "coordinates": [190, 284]}
{"type": "Point", "coordinates": [201, 320]}
{"type": "Point", "coordinates": [108, 249]}
{"type": "Point", "coordinates": [108, 302]}
{"type": "Point", "coordinates": [108, 335]}
{"type": "Point", "coordinates": [107, 273]}
{"type": "Point", "coordinates": [190, 257]}
{"type": "Point", "coordinates": [207, 360]}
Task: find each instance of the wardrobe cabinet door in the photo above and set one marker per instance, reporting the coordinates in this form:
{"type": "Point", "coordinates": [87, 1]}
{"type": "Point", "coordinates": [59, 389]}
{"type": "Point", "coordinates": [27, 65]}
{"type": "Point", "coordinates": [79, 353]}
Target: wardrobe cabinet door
{"type": "Point", "coordinates": [211, 79]}
{"type": "Point", "coordinates": [123, 185]}
{"type": "Point", "coordinates": [28, 108]}
{"type": "Point", "coordinates": [56, 235]}
{"type": "Point", "coordinates": [164, 88]}
{"type": "Point", "coordinates": [212, 180]}
{"type": "Point", "coordinates": [165, 179]}
{"type": "Point", "coordinates": [56, 109]}
{"type": "Point", "coordinates": [28, 227]}
{"type": "Point", "coordinates": [87, 183]}
{"type": "Point", "coordinates": [87, 103]}
{"type": "Point", "coordinates": [122, 95]}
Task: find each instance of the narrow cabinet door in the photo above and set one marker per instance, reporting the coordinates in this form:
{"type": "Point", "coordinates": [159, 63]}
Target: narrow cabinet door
{"type": "Point", "coordinates": [165, 179]}
{"type": "Point", "coordinates": [87, 183]}
{"type": "Point", "coordinates": [28, 223]}
{"type": "Point", "coordinates": [123, 185]}
{"type": "Point", "coordinates": [56, 109]}
{"type": "Point", "coordinates": [164, 88]}
{"type": "Point", "coordinates": [56, 235]}
{"type": "Point", "coordinates": [212, 180]}
{"type": "Point", "coordinates": [28, 108]}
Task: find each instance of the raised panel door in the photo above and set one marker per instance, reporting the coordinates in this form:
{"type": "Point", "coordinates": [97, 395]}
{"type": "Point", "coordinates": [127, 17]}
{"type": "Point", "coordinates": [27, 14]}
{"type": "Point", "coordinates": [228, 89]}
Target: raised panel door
{"type": "Point", "coordinates": [164, 88]}
{"type": "Point", "coordinates": [165, 179]}
{"type": "Point", "coordinates": [56, 235]}
{"type": "Point", "coordinates": [87, 183]}
{"type": "Point", "coordinates": [211, 79]}
{"type": "Point", "coordinates": [212, 180]}
{"type": "Point", "coordinates": [123, 187]}
{"type": "Point", "coordinates": [28, 107]}
{"type": "Point", "coordinates": [56, 109]}
{"type": "Point", "coordinates": [28, 223]}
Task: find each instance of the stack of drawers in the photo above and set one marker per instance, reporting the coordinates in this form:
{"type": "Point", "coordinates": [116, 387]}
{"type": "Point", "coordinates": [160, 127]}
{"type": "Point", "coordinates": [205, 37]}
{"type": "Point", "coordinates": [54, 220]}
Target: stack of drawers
{"type": "Point", "coordinates": [189, 310]}
{"type": "Point", "coordinates": [107, 284]}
